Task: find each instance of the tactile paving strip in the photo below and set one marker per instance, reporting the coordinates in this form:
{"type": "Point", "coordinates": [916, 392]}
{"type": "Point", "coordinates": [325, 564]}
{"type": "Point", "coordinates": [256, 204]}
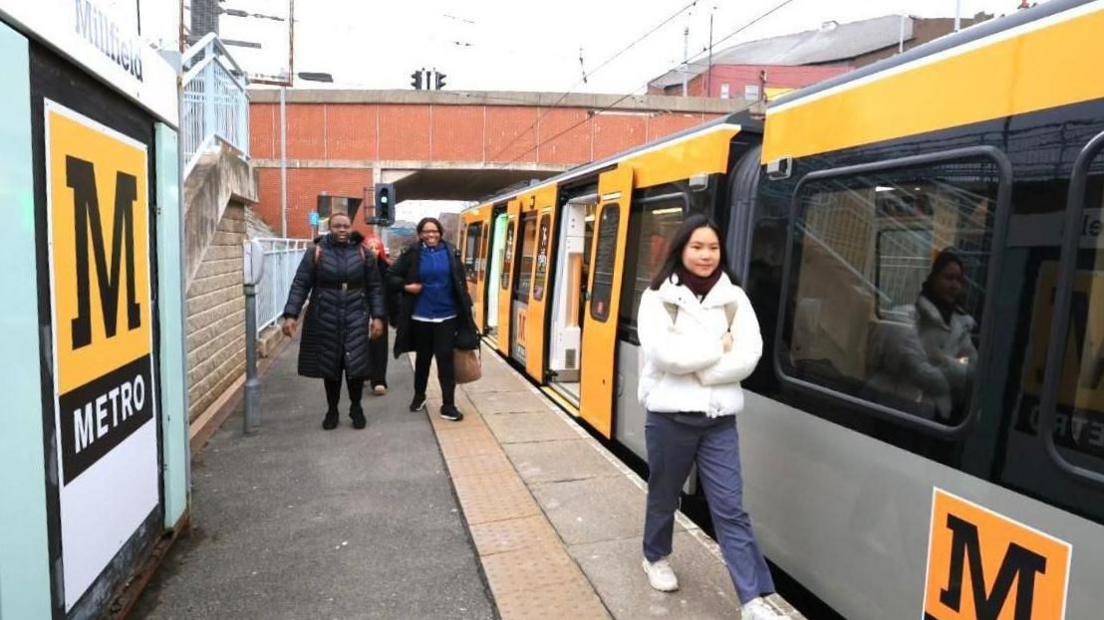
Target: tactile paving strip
{"type": "Point", "coordinates": [494, 497]}
{"type": "Point", "coordinates": [513, 534]}
{"type": "Point", "coordinates": [530, 568]}
{"type": "Point", "coordinates": [574, 599]}
{"type": "Point", "coordinates": [480, 465]}
{"type": "Point", "coordinates": [472, 441]}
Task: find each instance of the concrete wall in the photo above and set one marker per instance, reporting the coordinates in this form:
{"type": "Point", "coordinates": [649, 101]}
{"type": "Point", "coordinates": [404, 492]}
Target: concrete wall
{"type": "Point", "coordinates": [216, 315]}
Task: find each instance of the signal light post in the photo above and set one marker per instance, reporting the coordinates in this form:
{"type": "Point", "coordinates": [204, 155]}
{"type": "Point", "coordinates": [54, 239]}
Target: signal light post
{"type": "Point", "coordinates": [427, 79]}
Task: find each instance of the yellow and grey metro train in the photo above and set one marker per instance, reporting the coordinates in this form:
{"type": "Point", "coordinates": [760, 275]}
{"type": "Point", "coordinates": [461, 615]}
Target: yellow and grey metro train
{"type": "Point", "coordinates": [989, 142]}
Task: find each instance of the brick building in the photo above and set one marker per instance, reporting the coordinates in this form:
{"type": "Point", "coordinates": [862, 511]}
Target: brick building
{"type": "Point", "coordinates": [768, 67]}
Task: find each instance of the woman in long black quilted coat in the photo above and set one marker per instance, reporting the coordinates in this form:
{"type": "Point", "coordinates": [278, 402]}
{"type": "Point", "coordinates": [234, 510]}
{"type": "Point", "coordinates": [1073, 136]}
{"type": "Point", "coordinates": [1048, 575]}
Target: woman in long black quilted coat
{"type": "Point", "coordinates": [346, 309]}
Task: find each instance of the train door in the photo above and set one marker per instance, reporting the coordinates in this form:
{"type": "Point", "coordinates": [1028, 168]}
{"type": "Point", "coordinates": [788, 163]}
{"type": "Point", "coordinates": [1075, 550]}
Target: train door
{"type": "Point", "coordinates": [473, 244]}
{"type": "Point", "coordinates": [604, 298]}
{"type": "Point", "coordinates": [523, 282]}
{"type": "Point", "coordinates": [506, 281]}
{"type": "Point", "coordinates": [538, 297]}
{"type": "Point", "coordinates": [1053, 447]}
{"type": "Point", "coordinates": [497, 256]}
{"type": "Point", "coordinates": [569, 296]}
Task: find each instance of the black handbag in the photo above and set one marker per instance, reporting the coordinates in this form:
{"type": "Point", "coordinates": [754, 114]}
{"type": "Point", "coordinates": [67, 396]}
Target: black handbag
{"type": "Point", "coordinates": [466, 338]}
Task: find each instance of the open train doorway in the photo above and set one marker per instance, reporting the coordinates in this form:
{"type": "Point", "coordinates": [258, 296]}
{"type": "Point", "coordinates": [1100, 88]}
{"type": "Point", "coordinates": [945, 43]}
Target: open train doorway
{"type": "Point", "coordinates": [569, 298]}
{"type": "Point", "coordinates": [523, 282]}
{"type": "Point", "coordinates": [498, 252]}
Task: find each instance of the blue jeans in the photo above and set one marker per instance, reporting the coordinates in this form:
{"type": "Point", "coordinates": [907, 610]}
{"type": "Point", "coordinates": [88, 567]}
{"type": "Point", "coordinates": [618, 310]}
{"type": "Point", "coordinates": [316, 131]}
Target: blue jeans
{"type": "Point", "coordinates": [675, 442]}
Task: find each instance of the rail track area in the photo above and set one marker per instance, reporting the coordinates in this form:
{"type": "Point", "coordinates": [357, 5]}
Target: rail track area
{"type": "Point", "coordinates": [514, 512]}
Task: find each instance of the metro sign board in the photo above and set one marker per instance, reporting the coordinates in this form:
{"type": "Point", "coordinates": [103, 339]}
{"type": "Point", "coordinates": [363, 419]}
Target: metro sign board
{"type": "Point", "coordinates": [104, 394]}
{"type": "Point", "coordinates": [985, 566]}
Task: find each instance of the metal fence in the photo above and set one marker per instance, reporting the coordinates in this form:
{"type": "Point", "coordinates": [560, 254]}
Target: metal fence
{"type": "Point", "coordinates": [282, 257]}
{"type": "Point", "coordinates": [216, 102]}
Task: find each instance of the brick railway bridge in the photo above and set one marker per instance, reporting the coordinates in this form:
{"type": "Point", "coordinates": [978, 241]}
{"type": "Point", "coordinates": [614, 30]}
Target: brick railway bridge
{"type": "Point", "coordinates": [442, 145]}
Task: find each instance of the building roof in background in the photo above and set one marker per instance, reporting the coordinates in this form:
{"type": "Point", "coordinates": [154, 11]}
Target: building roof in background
{"type": "Point", "coordinates": [831, 43]}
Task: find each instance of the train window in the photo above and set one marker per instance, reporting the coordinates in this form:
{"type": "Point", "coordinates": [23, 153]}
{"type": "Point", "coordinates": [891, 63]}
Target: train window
{"type": "Point", "coordinates": [1079, 416]}
{"type": "Point", "coordinates": [542, 256]}
{"type": "Point", "coordinates": [887, 285]}
{"type": "Point", "coordinates": [483, 258]}
{"type": "Point", "coordinates": [604, 262]}
{"type": "Point", "coordinates": [525, 262]}
{"type": "Point", "coordinates": [508, 256]}
{"type": "Point", "coordinates": [471, 251]}
{"type": "Point", "coordinates": [653, 222]}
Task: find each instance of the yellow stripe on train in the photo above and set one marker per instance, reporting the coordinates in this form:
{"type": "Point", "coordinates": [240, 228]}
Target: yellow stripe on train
{"type": "Point", "coordinates": [1032, 67]}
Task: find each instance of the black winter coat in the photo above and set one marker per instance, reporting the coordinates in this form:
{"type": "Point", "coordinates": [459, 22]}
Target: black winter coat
{"type": "Point", "coordinates": [405, 271]}
{"type": "Point", "coordinates": [338, 319]}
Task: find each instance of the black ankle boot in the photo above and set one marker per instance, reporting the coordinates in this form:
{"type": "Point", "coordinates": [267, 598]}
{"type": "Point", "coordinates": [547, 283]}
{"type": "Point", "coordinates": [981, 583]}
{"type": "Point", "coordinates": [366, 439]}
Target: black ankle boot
{"type": "Point", "coordinates": [330, 421]}
{"type": "Point", "coordinates": [357, 414]}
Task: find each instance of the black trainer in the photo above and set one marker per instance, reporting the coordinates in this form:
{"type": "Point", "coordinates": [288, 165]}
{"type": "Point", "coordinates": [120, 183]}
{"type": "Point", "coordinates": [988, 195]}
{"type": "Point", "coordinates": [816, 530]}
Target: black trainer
{"type": "Point", "coordinates": [330, 421]}
{"type": "Point", "coordinates": [418, 403]}
{"type": "Point", "coordinates": [358, 418]}
{"type": "Point", "coordinates": [450, 412]}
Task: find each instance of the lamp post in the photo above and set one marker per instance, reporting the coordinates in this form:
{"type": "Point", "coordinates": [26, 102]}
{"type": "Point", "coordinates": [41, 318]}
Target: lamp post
{"type": "Point", "coordinates": [309, 76]}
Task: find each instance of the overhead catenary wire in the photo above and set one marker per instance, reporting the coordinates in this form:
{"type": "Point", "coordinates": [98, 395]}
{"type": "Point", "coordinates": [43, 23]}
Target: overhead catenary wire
{"type": "Point", "coordinates": [588, 74]}
{"type": "Point", "coordinates": [631, 93]}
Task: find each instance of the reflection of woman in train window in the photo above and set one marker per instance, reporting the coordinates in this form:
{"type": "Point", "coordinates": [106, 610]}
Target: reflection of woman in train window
{"type": "Point", "coordinates": [925, 360]}
{"type": "Point", "coordinates": [945, 328]}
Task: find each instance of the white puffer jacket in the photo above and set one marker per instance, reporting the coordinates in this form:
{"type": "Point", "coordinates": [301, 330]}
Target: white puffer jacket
{"type": "Point", "coordinates": [685, 366]}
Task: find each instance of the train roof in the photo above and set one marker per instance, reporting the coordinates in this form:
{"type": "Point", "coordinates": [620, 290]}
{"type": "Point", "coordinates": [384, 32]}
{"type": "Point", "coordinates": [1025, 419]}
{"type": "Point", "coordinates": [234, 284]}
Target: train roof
{"type": "Point", "coordinates": [1035, 60]}
{"type": "Point", "coordinates": [743, 119]}
{"type": "Point", "coordinates": [942, 44]}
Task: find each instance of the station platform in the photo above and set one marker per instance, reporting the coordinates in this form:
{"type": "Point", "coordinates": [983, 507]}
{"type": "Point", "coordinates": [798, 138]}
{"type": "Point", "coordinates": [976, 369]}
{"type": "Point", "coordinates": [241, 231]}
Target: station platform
{"type": "Point", "coordinates": [514, 512]}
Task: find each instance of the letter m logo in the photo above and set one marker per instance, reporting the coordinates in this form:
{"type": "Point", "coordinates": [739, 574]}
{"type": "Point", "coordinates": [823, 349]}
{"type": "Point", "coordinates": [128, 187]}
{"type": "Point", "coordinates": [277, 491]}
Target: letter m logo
{"type": "Point", "coordinates": [984, 566]}
{"type": "Point", "coordinates": [80, 176]}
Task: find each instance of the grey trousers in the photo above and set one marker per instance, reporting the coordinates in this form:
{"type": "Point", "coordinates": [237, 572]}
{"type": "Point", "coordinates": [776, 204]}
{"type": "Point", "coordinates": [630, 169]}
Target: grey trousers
{"type": "Point", "coordinates": [675, 442]}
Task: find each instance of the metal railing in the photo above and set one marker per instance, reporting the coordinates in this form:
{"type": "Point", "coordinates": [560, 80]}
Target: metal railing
{"type": "Point", "coordinates": [216, 102]}
{"type": "Point", "coordinates": [282, 257]}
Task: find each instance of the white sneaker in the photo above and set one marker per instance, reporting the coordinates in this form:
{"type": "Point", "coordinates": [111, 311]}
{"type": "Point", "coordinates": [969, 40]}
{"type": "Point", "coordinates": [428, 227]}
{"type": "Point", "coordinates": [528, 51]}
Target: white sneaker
{"type": "Point", "coordinates": [379, 390]}
{"type": "Point", "coordinates": [760, 609]}
{"type": "Point", "coordinates": [660, 575]}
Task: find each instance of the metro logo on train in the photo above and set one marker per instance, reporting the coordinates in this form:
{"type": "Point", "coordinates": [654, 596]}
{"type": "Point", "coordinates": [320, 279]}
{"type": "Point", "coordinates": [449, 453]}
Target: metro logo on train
{"type": "Point", "coordinates": [99, 248]}
{"type": "Point", "coordinates": [982, 565]}
{"type": "Point", "coordinates": [1080, 417]}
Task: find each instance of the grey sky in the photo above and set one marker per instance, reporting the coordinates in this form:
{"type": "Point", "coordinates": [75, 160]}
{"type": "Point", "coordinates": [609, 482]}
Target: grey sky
{"type": "Point", "coordinates": [498, 45]}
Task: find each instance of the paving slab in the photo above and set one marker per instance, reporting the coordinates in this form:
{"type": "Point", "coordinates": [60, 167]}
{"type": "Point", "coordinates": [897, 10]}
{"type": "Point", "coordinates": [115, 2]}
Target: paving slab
{"type": "Point", "coordinates": [494, 497]}
{"type": "Point", "coordinates": [497, 375]}
{"type": "Point", "coordinates": [556, 461]}
{"type": "Point", "coordinates": [516, 401]}
{"type": "Point", "coordinates": [595, 509]}
{"type": "Point", "coordinates": [529, 427]}
{"type": "Point", "coordinates": [513, 534]}
{"type": "Point", "coordinates": [480, 465]}
{"type": "Point", "coordinates": [473, 441]}
{"type": "Point", "coordinates": [614, 569]}
{"type": "Point", "coordinates": [573, 599]}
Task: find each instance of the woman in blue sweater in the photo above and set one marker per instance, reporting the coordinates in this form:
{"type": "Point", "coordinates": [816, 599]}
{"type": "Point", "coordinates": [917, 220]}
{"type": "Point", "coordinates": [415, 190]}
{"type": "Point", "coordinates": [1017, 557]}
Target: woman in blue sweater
{"type": "Point", "coordinates": [435, 306]}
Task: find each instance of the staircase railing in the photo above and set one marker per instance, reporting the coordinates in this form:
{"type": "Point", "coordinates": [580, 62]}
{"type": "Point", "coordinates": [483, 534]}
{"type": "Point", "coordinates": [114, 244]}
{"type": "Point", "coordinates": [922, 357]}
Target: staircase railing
{"type": "Point", "coordinates": [282, 257]}
{"type": "Point", "coordinates": [216, 100]}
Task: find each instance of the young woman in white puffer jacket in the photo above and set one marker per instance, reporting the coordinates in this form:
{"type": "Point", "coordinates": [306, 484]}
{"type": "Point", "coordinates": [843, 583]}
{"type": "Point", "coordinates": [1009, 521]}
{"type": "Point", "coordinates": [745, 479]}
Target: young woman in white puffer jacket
{"type": "Point", "coordinates": [699, 338]}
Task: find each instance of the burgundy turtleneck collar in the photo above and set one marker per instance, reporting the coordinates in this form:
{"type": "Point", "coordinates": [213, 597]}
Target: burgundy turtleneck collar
{"type": "Point", "coordinates": [698, 285]}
